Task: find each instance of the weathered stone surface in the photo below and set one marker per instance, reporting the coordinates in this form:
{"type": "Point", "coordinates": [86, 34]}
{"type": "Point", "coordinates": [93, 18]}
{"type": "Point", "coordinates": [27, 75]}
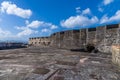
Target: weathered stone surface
{"type": "Point", "coordinates": [76, 39]}
{"type": "Point", "coordinates": [91, 36]}
{"type": "Point", "coordinates": [101, 37]}
{"type": "Point", "coordinates": [39, 41]}
{"type": "Point", "coordinates": [83, 36]}
{"type": "Point", "coordinates": [40, 63]}
{"type": "Point", "coordinates": [100, 34]}
{"type": "Point", "coordinates": [67, 40]}
{"type": "Point", "coordinates": [116, 54]}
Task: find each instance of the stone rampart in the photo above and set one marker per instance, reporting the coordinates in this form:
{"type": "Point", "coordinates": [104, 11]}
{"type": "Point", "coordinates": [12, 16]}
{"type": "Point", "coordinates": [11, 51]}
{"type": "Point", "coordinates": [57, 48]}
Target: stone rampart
{"type": "Point", "coordinates": [116, 54]}
{"type": "Point", "coordinates": [101, 37]}
{"type": "Point", "coordinates": [39, 41]}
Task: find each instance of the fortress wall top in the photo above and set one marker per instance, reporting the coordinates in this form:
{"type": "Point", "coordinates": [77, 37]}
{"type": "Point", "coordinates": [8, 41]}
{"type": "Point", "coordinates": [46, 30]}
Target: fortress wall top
{"type": "Point", "coordinates": [39, 41]}
{"type": "Point", "coordinates": [91, 36]}
{"type": "Point", "coordinates": [62, 34]}
{"type": "Point", "coordinates": [53, 40]}
{"type": "Point", "coordinates": [83, 37]}
{"type": "Point", "coordinates": [102, 37]}
{"type": "Point", "coordinates": [68, 39]}
{"type": "Point", "coordinates": [110, 36]}
{"type": "Point", "coordinates": [76, 39]}
{"type": "Point", "coordinates": [58, 39]}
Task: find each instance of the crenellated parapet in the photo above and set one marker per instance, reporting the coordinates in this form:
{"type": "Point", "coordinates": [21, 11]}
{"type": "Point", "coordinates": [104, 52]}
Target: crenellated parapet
{"type": "Point", "coordinates": [101, 37]}
{"type": "Point", "coordinates": [39, 41]}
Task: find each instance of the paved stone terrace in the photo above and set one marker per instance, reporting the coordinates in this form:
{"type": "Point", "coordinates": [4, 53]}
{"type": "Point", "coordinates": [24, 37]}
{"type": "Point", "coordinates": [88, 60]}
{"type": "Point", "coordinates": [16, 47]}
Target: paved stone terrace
{"type": "Point", "coordinates": [56, 64]}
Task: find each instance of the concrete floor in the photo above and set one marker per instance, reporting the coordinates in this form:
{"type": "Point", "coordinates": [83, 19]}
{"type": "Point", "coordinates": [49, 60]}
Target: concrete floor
{"type": "Point", "coordinates": [56, 64]}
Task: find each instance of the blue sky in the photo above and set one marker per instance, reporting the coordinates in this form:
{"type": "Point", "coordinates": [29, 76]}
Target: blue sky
{"type": "Point", "coordinates": [21, 19]}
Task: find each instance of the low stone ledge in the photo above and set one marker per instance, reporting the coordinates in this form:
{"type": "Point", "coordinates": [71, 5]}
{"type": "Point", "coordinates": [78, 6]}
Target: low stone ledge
{"type": "Point", "coordinates": [116, 54]}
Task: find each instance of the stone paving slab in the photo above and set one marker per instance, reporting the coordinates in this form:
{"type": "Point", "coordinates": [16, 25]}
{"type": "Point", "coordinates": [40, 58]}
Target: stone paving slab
{"type": "Point", "coordinates": [56, 64]}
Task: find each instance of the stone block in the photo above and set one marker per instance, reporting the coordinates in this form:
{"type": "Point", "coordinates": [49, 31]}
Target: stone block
{"type": "Point", "coordinates": [116, 54]}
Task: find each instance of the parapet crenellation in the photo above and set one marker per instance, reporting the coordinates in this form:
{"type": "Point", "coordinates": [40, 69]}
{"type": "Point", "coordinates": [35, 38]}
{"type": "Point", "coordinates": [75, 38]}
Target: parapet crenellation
{"type": "Point", "coordinates": [101, 37]}
{"type": "Point", "coordinates": [39, 41]}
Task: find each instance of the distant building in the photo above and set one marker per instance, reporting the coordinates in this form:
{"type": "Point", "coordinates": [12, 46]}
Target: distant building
{"type": "Point", "coordinates": [39, 41]}
{"type": "Point", "coordinates": [11, 45]}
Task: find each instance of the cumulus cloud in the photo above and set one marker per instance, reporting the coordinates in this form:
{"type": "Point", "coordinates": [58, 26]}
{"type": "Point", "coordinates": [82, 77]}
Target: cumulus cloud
{"type": "Point", "coordinates": [115, 17]}
{"type": "Point", "coordinates": [26, 32]}
{"type": "Point", "coordinates": [106, 2]}
{"type": "Point", "coordinates": [35, 24]}
{"type": "Point", "coordinates": [100, 9]}
{"type": "Point", "coordinates": [4, 33]}
{"type": "Point", "coordinates": [54, 27]}
{"type": "Point", "coordinates": [86, 18]}
{"type": "Point", "coordinates": [86, 11]}
{"type": "Point", "coordinates": [103, 4]}
{"type": "Point", "coordinates": [104, 19]}
{"type": "Point", "coordinates": [77, 9]}
{"type": "Point", "coordinates": [45, 30]}
{"type": "Point", "coordinates": [29, 28]}
{"type": "Point", "coordinates": [80, 20]}
{"type": "Point", "coordinates": [13, 9]}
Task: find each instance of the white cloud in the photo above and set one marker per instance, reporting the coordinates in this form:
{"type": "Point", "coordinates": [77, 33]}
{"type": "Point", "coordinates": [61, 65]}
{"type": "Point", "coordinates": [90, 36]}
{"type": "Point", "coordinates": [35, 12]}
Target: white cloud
{"type": "Point", "coordinates": [35, 24]}
{"type": "Point", "coordinates": [84, 19]}
{"type": "Point", "coordinates": [77, 9]}
{"type": "Point", "coordinates": [21, 28]}
{"type": "Point", "coordinates": [100, 9]}
{"type": "Point", "coordinates": [4, 33]}
{"type": "Point", "coordinates": [10, 8]}
{"type": "Point", "coordinates": [103, 4]}
{"type": "Point", "coordinates": [86, 11]}
{"type": "Point", "coordinates": [106, 2]}
{"type": "Point", "coordinates": [115, 17]}
{"type": "Point", "coordinates": [54, 27]}
{"type": "Point", "coordinates": [45, 30]}
{"type": "Point", "coordinates": [104, 19]}
{"type": "Point", "coordinates": [78, 21]}
{"type": "Point", "coordinates": [29, 28]}
{"type": "Point", "coordinates": [26, 22]}
{"type": "Point", "coordinates": [26, 32]}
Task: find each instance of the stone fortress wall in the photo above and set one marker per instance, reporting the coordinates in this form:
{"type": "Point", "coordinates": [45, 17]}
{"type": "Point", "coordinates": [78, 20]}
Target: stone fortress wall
{"type": "Point", "coordinates": [101, 37]}
{"type": "Point", "coordinates": [39, 41]}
